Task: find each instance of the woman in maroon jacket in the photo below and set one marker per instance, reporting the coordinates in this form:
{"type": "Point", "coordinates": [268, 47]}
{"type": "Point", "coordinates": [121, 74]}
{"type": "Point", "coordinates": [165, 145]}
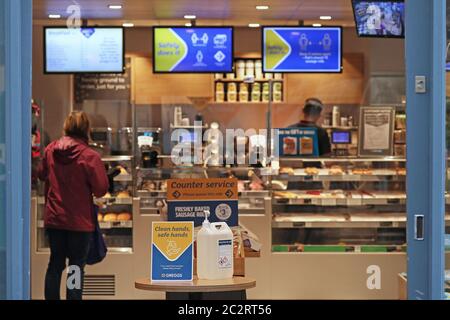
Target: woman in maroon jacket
{"type": "Point", "coordinates": [72, 173]}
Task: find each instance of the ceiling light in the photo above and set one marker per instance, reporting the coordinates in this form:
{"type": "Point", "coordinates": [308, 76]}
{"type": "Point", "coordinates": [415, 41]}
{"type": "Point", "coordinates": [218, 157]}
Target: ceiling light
{"type": "Point", "coordinates": [325, 17]}
{"type": "Point", "coordinates": [253, 25]}
{"type": "Point", "coordinates": [190, 16]}
{"type": "Point", "coordinates": [54, 16]}
{"type": "Point", "coordinates": [262, 7]}
{"type": "Point", "coordinates": [115, 6]}
{"type": "Point", "coordinates": [317, 25]}
{"type": "Point", "coordinates": [188, 24]}
{"type": "Point", "coordinates": [128, 25]}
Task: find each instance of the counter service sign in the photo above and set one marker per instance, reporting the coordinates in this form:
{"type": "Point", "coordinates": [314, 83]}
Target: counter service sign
{"type": "Point", "coordinates": [172, 251]}
{"type": "Point", "coordinates": [188, 199]}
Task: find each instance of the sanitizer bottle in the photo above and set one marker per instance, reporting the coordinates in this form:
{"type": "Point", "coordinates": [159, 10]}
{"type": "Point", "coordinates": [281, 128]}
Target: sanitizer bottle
{"type": "Point", "coordinates": [214, 251]}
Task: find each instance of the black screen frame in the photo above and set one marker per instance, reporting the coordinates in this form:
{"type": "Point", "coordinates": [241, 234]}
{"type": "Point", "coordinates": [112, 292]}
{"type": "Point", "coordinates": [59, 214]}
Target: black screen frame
{"type": "Point", "coordinates": [192, 72]}
{"type": "Point", "coordinates": [83, 72]}
{"type": "Point", "coordinates": [304, 27]}
{"type": "Point", "coordinates": [376, 35]}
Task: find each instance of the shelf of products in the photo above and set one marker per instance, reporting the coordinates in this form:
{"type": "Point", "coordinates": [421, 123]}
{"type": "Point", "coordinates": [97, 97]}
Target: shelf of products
{"type": "Point", "coordinates": [232, 88]}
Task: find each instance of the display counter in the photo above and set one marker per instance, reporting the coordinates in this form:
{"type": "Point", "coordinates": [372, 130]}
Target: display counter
{"type": "Point", "coordinates": [319, 228]}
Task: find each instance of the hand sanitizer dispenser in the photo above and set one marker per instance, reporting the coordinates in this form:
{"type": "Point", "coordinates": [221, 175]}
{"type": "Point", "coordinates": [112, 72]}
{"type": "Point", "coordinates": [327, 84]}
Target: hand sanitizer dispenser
{"type": "Point", "coordinates": [214, 251]}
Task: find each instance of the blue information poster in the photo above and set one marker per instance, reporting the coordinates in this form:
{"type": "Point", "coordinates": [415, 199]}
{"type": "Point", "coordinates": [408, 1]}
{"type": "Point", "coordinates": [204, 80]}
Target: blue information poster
{"type": "Point", "coordinates": [188, 199]}
{"type": "Point", "coordinates": [172, 251]}
{"type": "Point", "coordinates": [197, 49]}
{"type": "Point", "coordinates": [302, 49]}
{"type": "Point", "coordinates": [298, 142]}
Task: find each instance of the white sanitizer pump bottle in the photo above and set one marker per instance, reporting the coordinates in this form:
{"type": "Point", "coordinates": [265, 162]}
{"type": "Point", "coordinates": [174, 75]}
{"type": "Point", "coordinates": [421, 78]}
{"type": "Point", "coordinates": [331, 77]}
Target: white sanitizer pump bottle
{"type": "Point", "coordinates": [214, 251]}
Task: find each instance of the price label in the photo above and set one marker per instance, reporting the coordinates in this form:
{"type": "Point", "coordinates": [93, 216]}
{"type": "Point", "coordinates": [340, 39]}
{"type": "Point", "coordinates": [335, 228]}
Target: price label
{"type": "Point", "coordinates": [329, 202]}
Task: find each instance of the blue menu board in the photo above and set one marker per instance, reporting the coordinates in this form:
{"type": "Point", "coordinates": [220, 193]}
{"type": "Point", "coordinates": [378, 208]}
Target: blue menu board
{"type": "Point", "coordinates": [193, 50]}
{"type": "Point", "coordinates": [302, 49]}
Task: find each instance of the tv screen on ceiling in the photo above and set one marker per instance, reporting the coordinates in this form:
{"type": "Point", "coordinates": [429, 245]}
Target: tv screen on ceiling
{"type": "Point", "coordinates": [380, 18]}
{"type": "Point", "coordinates": [192, 49]}
{"type": "Point", "coordinates": [302, 49]}
{"type": "Point", "coordinates": [83, 50]}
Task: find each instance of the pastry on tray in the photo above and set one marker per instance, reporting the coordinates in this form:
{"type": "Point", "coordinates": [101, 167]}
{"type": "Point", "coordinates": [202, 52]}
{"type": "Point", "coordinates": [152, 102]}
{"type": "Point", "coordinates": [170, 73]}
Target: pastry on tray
{"type": "Point", "coordinates": [123, 194]}
{"type": "Point", "coordinates": [125, 216]}
{"type": "Point", "coordinates": [362, 171]}
{"type": "Point", "coordinates": [149, 186]}
{"type": "Point", "coordinates": [287, 170]}
{"type": "Point", "coordinates": [335, 170]}
{"type": "Point", "coordinates": [107, 195]}
{"type": "Point", "coordinates": [110, 217]}
{"type": "Point", "coordinates": [311, 171]}
{"type": "Point", "coordinates": [285, 195]}
{"type": "Point", "coordinates": [100, 217]}
{"type": "Point", "coordinates": [401, 171]}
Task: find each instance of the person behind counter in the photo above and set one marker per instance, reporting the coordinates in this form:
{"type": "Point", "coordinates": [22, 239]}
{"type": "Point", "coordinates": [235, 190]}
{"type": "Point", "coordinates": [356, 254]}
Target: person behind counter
{"type": "Point", "coordinates": [312, 111]}
{"type": "Point", "coordinates": [72, 172]}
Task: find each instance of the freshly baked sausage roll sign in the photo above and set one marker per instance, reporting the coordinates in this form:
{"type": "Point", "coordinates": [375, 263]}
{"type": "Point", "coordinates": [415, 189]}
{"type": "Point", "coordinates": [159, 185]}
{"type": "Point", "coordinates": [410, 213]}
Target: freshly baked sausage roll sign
{"type": "Point", "coordinates": [172, 251]}
{"type": "Point", "coordinates": [188, 199]}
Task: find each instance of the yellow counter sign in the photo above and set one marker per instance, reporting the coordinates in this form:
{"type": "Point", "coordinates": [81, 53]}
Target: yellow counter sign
{"type": "Point", "coordinates": [202, 189]}
{"type": "Point", "coordinates": [172, 251]}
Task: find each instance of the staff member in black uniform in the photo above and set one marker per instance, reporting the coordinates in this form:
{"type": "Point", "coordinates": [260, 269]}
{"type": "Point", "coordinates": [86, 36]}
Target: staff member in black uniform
{"type": "Point", "coordinates": [312, 111]}
{"type": "Point", "coordinates": [311, 114]}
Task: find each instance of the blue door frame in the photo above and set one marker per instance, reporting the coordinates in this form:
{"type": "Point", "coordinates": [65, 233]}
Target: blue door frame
{"type": "Point", "coordinates": [18, 55]}
{"type": "Point", "coordinates": [426, 150]}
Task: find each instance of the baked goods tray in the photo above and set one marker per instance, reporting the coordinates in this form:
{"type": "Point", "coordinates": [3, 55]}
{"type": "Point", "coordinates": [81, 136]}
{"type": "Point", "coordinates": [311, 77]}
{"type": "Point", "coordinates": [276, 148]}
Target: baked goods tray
{"type": "Point", "coordinates": [106, 201]}
{"type": "Point", "coordinates": [332, 175]}
{"type": "Point", "coordinates": [369, 220]}
{"type": "Point", "coordinates": [338, 198]}
{"type": "Point", "coordinates": [103, 225]}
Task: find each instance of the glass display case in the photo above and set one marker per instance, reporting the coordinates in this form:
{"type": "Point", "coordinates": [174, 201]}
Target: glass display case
{"type": "Point", "coordinates": [339, 205]}
{"type": "Point", "coordinates": [151, 185]}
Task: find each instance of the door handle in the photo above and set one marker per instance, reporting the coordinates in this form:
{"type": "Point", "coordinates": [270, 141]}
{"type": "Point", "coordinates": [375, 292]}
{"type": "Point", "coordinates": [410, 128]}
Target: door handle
{"type": "Point", "coordinates": [419, 227]}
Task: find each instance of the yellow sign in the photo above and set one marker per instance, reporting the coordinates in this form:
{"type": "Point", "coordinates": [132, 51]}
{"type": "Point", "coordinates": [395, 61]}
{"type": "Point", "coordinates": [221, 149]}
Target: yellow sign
{"type": "Point", "coordinates": [172, 251]}
{"type": "Point", "coordinates": [202, 189]}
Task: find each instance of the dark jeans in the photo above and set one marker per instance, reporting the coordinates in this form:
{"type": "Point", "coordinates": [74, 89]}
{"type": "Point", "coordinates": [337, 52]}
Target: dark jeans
{"type": "Point", "coordinates": [66, 245]}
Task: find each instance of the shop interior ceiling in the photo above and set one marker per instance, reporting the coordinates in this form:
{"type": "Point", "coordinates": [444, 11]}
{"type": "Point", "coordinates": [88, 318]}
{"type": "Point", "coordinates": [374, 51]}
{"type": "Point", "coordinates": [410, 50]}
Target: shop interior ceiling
{"type": "Point", "coordinates": [208, 12]}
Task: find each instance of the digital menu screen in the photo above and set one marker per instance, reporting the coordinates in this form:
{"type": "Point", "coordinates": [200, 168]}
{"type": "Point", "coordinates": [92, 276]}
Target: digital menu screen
{"type": "Point", "coordinates": [193, 50]}
{"type": "Point", "coordinates": [379, 18]}
{"type": "Point", "coordinates": [341, 137]}
{"type": "Point", "coordinates": [84, 50]}
{"type": "Point", "coordinates": [302, 49]}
